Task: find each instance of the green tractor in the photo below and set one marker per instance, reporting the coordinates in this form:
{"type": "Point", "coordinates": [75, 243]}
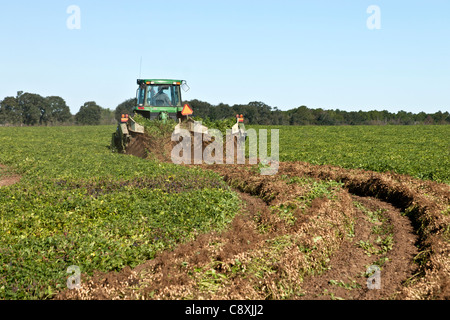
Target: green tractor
{"type": "Point", "coordinates": [160, 99]}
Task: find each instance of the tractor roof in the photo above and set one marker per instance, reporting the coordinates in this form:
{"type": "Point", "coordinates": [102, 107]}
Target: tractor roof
{"type": "Point", "coordinates": [159, 81]}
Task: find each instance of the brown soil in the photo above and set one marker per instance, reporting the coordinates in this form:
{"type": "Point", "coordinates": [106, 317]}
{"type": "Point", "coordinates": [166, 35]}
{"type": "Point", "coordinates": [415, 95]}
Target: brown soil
{"type": "Point", "coordinates": [138, 146]}
{"type": "Point", "coordinates": [7, 178]}
{"type": "Point", "coordinates": [323, 253]}
{"type": "Point", "coordinates": [345, 279]}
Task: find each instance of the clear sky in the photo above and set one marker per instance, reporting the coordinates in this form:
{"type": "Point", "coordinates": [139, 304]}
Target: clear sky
{"type": "Point", "coordinates": [285, 53]}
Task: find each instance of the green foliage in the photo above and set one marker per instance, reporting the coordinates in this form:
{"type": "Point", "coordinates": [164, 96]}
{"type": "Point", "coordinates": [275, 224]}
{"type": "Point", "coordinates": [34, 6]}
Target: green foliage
{"type": "Point", "coordinates": [33, 109]}
{"type": "Point", "coordinates": [255, 112]}
{"type": "Point", "coordinates": [90, 114]}
{"type": "Point", "coordinates": [316, 188]}
{"type": "Point", "coordinates": [221, 125]}
{"type": "Point", "coordinates": [58, 111]}
{"type": "Point", "coordinates": [160, 128]}
{"type": "Point", "coordinates": [259, 113]}
{"type": "Point", "coordinates": [10, 111]}
{"type": "Point", "coordinates": [156, 128]}
{"type": "Point", "coordinates": [107, 116]}
{"type": "Point", "coordinates": [79, 204]}
{"type": "Point", "coordinates": [420, 151]}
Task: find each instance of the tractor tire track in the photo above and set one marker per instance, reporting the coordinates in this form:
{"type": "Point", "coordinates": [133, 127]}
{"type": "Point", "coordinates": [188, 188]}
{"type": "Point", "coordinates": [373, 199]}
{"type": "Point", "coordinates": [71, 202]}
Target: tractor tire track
{"type": "Point", "coordinates": [346, 278]}
{"type": "Point", "coordinates": [351, 261]}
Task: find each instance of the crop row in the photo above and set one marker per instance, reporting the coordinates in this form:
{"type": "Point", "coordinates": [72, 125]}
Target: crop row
{"type": "Point", "coordinates": [78, 203]}
{"type": "Point", "coordinates": [420, 151]}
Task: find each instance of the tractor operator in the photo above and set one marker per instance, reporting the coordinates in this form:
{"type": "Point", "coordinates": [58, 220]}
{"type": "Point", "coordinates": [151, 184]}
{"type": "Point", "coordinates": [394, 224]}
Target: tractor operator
{"type": "Point", "coordinates": [161, 98]}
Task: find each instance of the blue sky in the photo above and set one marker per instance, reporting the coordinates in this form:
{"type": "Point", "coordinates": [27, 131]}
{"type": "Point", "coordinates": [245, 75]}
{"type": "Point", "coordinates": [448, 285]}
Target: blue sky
{"type": "Point", "coordinates": [286, 53]}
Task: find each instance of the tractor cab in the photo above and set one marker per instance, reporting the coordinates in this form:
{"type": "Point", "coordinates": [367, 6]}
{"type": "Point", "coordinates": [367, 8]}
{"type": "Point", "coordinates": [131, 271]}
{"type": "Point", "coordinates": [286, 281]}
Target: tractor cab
{"type": "Point", "coordinates": [160, 98]}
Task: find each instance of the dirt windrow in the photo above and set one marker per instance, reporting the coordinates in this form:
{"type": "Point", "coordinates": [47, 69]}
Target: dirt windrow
{"type": "Point", "coordinates": [425, 203]}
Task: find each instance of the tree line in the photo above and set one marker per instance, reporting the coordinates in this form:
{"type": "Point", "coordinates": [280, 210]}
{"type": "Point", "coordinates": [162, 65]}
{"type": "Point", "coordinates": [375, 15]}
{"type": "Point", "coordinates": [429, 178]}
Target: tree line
{"type": "Point", "coordinates": [263, 114]}
{"type": "Point", "coordinates": [33, 109]}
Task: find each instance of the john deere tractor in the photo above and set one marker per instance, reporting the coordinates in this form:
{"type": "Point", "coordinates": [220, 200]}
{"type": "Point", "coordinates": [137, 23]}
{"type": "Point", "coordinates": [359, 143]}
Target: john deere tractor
{"type": "Point", "coordinates": [160, 99]}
